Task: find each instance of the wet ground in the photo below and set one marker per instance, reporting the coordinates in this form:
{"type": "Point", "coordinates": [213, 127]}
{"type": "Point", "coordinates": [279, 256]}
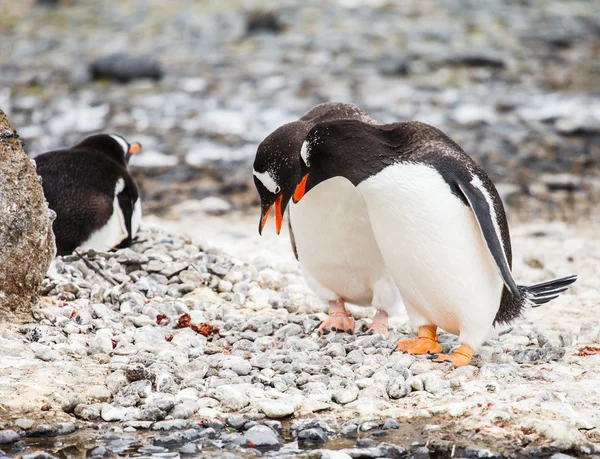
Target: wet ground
{"type": "Point", "coordinates": [419, 440]}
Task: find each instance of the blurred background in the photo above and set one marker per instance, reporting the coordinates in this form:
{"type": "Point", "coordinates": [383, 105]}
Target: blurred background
{"type": "Point", "coordinates": [201, 83]}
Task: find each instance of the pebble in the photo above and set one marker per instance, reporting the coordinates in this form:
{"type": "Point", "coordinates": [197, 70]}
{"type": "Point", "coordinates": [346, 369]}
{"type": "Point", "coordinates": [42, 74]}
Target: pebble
{"type": "Point", "coordinates": [312, 435]}
{"type": "Point", "coordinates": [8, 436]}
{"type": "Point", "coordinates": [261, 436]}
{"type": "Point", "coordinates": [275, 408]}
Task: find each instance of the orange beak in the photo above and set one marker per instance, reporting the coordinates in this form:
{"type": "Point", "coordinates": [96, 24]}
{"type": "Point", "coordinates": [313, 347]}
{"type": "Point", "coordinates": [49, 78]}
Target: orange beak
{"type": "Point", "coordinates": [263, 222]}
{"type": "Point", "coordinates": [278, 214]}
{"type": "Point", "coordinates": [134, 148]}
{"type": "Point", "coordinates": [300, 189]}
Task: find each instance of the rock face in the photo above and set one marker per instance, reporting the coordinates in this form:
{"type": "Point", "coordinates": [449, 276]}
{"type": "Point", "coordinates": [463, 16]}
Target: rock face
{"type": "Point", "coordinates": [26, 238]}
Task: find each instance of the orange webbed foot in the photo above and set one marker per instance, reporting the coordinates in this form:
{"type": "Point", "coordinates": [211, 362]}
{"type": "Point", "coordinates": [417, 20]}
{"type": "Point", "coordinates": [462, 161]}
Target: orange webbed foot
{"type": "Point", "coordinates": [459, 358]}
{"type": "Point", "coordinates": [425, 346]}
{"type": "Point", "coordinates": [405, 344]}
{"type": "Point", "coordinates": [425, 342]}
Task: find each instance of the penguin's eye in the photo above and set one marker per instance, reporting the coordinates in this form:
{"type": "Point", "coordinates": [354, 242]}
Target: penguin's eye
{"type": "Point", "coordinates": [277, 189]}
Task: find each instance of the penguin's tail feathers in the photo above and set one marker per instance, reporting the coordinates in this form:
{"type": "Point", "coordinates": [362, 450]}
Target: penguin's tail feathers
{"type": "Point", "coordinates": [536, 295]}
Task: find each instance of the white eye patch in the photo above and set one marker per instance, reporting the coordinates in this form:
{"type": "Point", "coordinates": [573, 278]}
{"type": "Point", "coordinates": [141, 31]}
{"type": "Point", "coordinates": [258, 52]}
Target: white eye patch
{"type": "Point", "coordinates": [304, 152]}
{"type": "Point", "coordinates": [122, 142]}
{"type": "Point", "coordinates": [268, 181]}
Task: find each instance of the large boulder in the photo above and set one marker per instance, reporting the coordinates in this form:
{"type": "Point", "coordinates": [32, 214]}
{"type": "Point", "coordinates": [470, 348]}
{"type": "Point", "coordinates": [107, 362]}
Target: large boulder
{"type": "Point", "coordinates": [26, 238]}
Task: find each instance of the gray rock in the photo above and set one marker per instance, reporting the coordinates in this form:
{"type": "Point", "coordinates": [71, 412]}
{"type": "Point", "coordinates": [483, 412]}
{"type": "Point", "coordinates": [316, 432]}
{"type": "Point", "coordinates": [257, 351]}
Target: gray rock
{"type": "Point", "coordinates": [44, 352]}
{"type": "Point", "coordinates": [88, 412]}
{"type": "Point", "coordinates": [346, 394]}
{"type": "Point", "coordinates": [312, 435]}
{"type": "Point", "coordinates": [124, 67]}
{"type": "Point", "coordinates": [349, 430]}
{"type": "Point", "coordinates": [38, 455]}
{"type": "Point", "coordinates": [26, 238]}
{"type": "Point", "coordinates": [24, 424]}
{"type": "Point", "coordinates": [275, 408]}
{"type": "Point", "coordinates": [8, 436]}
{"type": "Point", "coordinates": [231, 397]}
{"type": "Point", "coordinates": [173, 424]}
{"type": "Point", "coordinates": [112, 413]}
{"type": "Point", "coordinates": [398, 389]}
{"type": "Point", "coordinates": [261, 436]}
{"type": "Point", "coordinates": [390, 424]}
{"type": "Point", "coordinates": [189, 449]}
{"type": "Point", "coordinates": [355, 356]}
{"type": "Point", "coordinates": [288, 330]}
{"type": "Point", "coordinates": [393, 65]}
{"type": "Point", "coordinates": [545, 354]}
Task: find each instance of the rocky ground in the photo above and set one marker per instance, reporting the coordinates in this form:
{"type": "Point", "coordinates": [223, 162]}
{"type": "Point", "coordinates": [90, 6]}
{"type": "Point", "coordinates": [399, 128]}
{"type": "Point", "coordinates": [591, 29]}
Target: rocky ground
{"type": "Point", "coordinates": [181, 348]}
{"type": "Point", "coordinates": [200, 339]}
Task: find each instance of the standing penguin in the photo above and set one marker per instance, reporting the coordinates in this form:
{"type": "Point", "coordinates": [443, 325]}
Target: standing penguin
{"type": "Point", "coordinates": [330, 230]}
{"type": "Point", "coordinates": [96, 201]}
{"type": "Point", "coordinates": [439, 223]}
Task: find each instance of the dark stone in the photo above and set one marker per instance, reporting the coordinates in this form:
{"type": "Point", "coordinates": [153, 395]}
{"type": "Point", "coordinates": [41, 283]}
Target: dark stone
{"type": "Point", "coordinates": [191, 434]}
{"type": "Point", "coordinates": [263, 21]}
{"type": "Point", "coordinates": [43, 430]}
{"type": "Point", "coordinates": [168, 440]}
{"type": "Point", "coordinates": [123, 67]}
{"type": "Point", "coordinates": [390, 424]}
{"type": "Point", "coordinates": [312, 435]}
{"type": "Point", "coordinates": [312, 424]}
{"type": "Point", "coordinates": [138, 372]}
{"type": "Point", "coordinates": [474, 59]}
{"type": "Point", "coordinates": [366, 443]}
{"type": "Point", "coordinates": [393, 65]}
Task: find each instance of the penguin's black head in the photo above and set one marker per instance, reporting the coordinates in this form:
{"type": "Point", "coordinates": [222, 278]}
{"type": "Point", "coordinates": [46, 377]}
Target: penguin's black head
{"type": "Point", "coordinates": [113, 145]}
{"type": "Point", "coordinates": [277, 168]}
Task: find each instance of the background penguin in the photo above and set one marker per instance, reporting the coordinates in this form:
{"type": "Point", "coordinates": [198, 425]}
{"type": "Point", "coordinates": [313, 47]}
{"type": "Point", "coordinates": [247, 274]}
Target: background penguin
{"type": "Point", "coordinates": [330, 230]}
{"type": "Point", "coordinates": [440, 225]}
{"type": "Point", "coordinates": [96, 201]}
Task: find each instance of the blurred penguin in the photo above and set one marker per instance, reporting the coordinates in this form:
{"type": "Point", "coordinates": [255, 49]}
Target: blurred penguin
{"type": "Point", "coordinates": [96, 201]}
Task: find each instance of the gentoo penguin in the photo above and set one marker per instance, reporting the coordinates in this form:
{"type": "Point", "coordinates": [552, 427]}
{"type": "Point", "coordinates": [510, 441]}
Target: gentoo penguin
{"type": "Point", "coordinates": [96, 201]}
{"type": "Point", "coordinates": [439, 223]}
{"type": "Point", "coordinates": [330, 230]}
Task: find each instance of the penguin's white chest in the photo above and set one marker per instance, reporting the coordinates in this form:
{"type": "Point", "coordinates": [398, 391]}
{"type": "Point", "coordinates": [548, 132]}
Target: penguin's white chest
{"type": "Point", "coordinates": [432, 244]}
{"type": "Point", "coordinates": [336, 246]}
{"type": "Point", "coordinates": [115, 229]}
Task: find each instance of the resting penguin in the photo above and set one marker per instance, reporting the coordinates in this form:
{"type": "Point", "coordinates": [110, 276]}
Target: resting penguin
{"type": "Point", "coordinates": [439, 223]}
{"type": "Point", "coordinates": [330, 230]}
{"type": "Point", "coordinates": [96, 201]}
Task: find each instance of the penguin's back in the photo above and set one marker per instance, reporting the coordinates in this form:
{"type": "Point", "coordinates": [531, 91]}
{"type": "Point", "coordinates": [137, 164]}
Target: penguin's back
{"type": "Point", "coordinates": [83, 188]}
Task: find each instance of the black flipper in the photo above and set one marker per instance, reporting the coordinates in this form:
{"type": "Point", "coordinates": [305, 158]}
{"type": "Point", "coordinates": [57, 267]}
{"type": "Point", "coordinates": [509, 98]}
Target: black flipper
{"type": "Point", "coordinates": [539, 294]}
{"type": "Point", "coordinates": [484, 216]}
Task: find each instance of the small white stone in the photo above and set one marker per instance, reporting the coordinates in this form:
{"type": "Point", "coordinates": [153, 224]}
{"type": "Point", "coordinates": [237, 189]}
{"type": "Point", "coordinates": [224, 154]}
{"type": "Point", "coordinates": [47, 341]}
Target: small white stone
{"type": "Point", "coordinates": [44, 352]}
{"type": "Point", "coordinates": [113, 413]}
{"type": "Point", "coordinates": [275, 408]}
